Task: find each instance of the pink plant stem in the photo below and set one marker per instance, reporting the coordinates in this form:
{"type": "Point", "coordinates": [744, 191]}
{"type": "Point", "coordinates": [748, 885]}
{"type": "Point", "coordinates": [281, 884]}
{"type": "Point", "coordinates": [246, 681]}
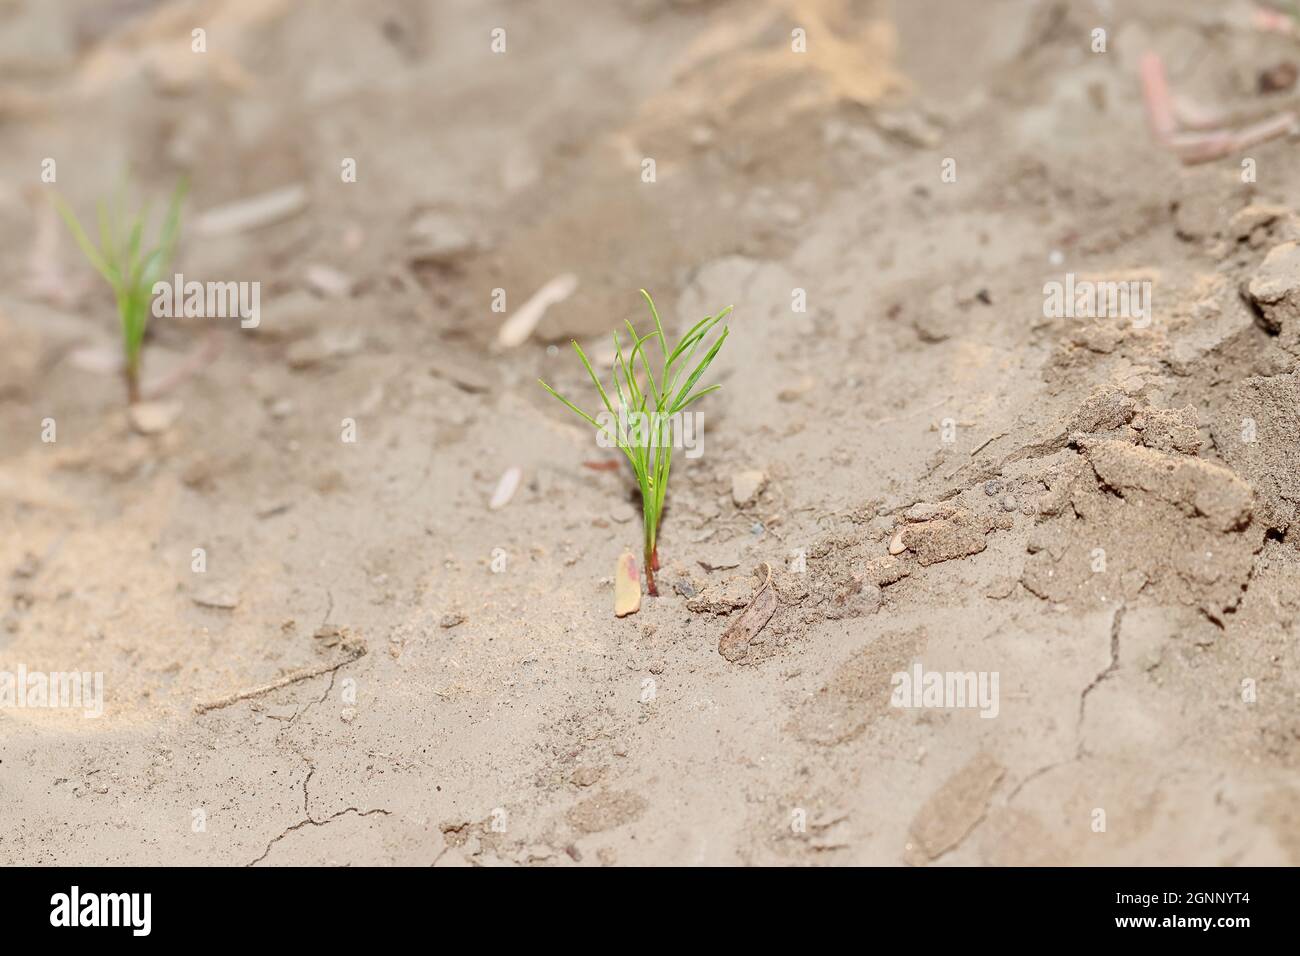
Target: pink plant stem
{"type": "Point", "coordinates": [1211, 141]}
{"type": "Point", "coordinates": [1272, 21]}
{"type": "Point", "coordinates": [1204, 147]}
{"type": "Point", "coordinates": [200, 358]}
{"type": "Point", "coordinates": [1155, 94]}
{"type": "Point", "coordinates": [1191, 115]}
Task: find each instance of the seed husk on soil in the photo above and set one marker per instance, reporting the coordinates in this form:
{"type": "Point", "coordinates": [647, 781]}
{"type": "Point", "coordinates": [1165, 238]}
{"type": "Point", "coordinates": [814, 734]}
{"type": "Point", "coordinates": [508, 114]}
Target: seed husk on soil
{"type": "Point", "coordinates": [627, 585]}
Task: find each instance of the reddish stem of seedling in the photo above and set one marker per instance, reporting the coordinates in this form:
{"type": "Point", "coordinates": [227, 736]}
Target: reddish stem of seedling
{"type": "Point", "coordinates": [651, 565]}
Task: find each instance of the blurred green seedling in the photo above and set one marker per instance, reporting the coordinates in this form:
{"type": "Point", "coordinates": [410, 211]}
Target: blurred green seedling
{"type": "Point", "coordinates": [129, 265]}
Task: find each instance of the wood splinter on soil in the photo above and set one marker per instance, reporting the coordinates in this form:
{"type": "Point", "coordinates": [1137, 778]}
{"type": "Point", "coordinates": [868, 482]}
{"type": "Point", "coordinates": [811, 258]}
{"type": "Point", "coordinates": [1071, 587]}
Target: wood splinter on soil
{"type": "Point", "coordinates": [735, 640]}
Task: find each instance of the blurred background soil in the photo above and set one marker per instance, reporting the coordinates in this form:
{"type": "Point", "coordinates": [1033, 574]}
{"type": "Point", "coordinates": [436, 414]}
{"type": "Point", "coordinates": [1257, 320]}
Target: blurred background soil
{"type": "Point", "coordinates": [928, 464]}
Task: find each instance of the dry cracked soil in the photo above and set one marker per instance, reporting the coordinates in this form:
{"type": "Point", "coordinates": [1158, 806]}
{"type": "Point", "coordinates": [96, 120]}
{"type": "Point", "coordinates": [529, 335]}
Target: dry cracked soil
{"type": "Point", "coordinates": [322, 651]}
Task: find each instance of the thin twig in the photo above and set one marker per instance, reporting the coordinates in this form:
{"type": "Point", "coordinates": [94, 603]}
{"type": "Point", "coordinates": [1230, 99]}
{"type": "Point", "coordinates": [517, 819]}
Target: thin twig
{"type": "Point", "coordinates": [356, 651]}
{"type": "Point", "coordinates": [200, 358]}
{"type": "Point", "coordinates": [985, 443]}
{"type": "Point", "coordinates": [1212, 138]}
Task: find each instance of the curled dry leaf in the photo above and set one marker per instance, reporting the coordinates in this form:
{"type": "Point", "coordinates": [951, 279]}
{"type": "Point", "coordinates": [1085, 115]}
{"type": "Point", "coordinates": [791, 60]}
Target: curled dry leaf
{"type": "Point", "coordinates": [735, 640]}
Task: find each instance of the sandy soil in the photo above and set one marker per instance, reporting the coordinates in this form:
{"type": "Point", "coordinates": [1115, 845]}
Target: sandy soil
{"type": "Point", "coordinates": [941, 464]}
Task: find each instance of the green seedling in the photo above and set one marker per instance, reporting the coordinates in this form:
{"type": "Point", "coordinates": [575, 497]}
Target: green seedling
{"type": "Point", "coordinates": [641, 424]}
{"type": "Point", "coordinates": [128, 267]}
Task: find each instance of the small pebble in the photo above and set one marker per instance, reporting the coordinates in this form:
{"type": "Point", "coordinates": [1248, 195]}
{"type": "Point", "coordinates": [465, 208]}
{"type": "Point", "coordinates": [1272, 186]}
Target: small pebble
{"type": "Point", "coordinates": [896, 545]}
{"type": "Point", "coordinates": [328, 281]}
{"type": "Point", "coordinates": [1277, 79]}
{"type": "Point", "coordinates": [1009, 503]}
{"type": "Point", "coordinates": [585, 776]}
{"type": "Point", "coordinates": [219, 597]}
{"type": "Point", "coordinates": [992, 487]}
{"type": "Point", "coordinates": [451, 619]}
{"type": "Point", "coordinates": [29, 566]}
{"type": "Point", "coordinates": [746, 486]}
{"type": "Point", "coordinates": [151, 418]}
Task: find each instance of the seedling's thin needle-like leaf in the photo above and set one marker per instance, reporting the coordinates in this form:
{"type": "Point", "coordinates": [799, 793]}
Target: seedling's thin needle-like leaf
{"type": "Point", "coordinates": [633, 392]}
{"type": "Point", "coordinates": [639, 347]}
{"type": "Point", "coordinates": [594, 378]}
{"type": "Point", "coordinates": [699, 370]}
{"type": "Point", "coordinates": [575, 408]}
{"type": "Point", "coordinates": [695, 338]}
{"type": "Point", "coordinates": [83, 241]}
{"type": "Point", "coordinates": [659, 326]}
{"type": "Point", "coordinates": [700, 394]}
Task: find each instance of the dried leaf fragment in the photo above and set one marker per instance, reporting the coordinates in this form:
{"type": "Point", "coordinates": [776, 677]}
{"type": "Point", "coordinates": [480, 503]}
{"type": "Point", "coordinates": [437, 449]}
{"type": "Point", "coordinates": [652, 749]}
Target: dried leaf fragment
{"type": "Point", "coordinates": [735, 640]}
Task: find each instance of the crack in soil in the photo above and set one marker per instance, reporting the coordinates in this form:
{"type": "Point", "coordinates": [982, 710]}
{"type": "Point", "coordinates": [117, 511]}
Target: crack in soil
{"type": "Point", "coordinates": [317, 823]}
{"type": "Point", "coordinates": [1079, 753]}
{"type": "Point", "coordinates": [309, 820]}
{"type": "Point", "coordinates": [334, 676]}
{"type": "Point", "coordinates": [1035, 775]}
{"type": "Point", "coordinates": [1116, 623]}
